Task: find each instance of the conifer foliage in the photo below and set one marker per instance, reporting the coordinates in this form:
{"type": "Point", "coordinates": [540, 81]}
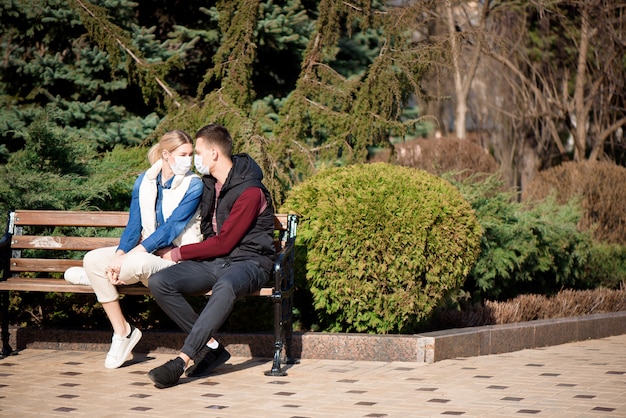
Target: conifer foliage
{"type": "Point", "coordinates": [524, 249]}
{"type": "Point", "coordinates": [384, 245]}
{"type": "Point", "coordinates": [57, 169]}
{"type": "Point", "coordinates": [50, 61]}
{"type": "Point", "coordinates": [300, 88]}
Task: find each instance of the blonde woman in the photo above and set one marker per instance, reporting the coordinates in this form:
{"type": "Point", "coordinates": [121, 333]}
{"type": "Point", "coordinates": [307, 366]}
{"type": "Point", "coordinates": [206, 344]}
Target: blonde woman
{"type": "Point", "coordinates": [164, 212]}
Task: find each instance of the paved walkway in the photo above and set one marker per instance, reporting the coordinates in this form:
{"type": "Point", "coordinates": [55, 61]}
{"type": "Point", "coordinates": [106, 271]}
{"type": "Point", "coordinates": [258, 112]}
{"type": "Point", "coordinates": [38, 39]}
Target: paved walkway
{"type": "Point", "coordinates": [582, 379]}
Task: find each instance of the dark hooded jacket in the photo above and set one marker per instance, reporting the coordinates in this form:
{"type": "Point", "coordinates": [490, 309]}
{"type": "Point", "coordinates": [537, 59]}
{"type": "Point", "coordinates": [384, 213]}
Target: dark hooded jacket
{"type": "Point", "coordinates": [258, 243]}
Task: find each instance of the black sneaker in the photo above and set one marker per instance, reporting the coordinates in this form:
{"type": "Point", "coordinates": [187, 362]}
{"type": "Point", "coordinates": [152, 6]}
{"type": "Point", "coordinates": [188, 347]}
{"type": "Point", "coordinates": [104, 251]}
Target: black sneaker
{"type": "Point", "coordinates": [168, 374]}
{"type": "Point", "coordinates": [206, 360]}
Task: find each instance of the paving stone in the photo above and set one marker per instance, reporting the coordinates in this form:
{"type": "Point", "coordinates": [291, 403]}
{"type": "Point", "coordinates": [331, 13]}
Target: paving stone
{"type": "Point", "coordinates": [578, 379]}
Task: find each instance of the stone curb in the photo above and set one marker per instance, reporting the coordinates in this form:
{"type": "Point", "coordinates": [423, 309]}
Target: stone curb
{"type": "Point", "coordinates": [427, 347]}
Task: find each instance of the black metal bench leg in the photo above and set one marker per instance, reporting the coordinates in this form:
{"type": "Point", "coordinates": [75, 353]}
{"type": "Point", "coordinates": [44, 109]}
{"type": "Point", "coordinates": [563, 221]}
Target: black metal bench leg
{"type": "Point", "coordinates": [278, 336]}
{"type": "Point", "coordinates": [288, 330]}
{"type": "Point", "coordinates": [7, 350]}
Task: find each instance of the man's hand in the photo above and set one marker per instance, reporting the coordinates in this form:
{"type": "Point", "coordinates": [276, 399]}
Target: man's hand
{"type": "Point", "coordinates": [165, 253]}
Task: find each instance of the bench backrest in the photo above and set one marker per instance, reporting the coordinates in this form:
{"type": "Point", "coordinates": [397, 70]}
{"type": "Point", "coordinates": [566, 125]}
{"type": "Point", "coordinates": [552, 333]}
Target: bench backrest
{"type": "Point", "coordinates": [57, 236]}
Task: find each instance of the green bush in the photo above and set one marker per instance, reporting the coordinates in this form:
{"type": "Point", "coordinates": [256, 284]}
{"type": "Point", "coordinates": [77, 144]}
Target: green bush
{"type": "Point", "coordinates": [383, 244]}
{"type": "Point", "coordinates": [58, 170]}
{"type": "Point", "coordinates": [525, 249]}
{"type": "Point", "coordinates": [607, 266]}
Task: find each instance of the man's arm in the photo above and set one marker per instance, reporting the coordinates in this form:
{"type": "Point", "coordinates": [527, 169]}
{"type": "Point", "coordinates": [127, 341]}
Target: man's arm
{"type": "Point", "coordinates": [242, 215]}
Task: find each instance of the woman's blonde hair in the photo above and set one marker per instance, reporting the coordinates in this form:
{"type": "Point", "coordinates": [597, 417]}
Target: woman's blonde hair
{"type": "Point", "coordinates": [168, 142]}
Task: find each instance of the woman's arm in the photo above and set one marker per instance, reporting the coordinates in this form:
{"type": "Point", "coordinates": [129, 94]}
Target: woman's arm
{"type": "Point", "coordinates": [132, 233]}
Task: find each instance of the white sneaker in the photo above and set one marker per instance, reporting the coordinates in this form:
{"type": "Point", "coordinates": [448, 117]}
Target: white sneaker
{"type": "Point", "coordinates": [77, 275]}
{"type": "Point", "coordinates": [121, 348]}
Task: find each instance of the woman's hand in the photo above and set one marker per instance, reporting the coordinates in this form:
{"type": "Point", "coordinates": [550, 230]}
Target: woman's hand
{"type": "Point", "coordinates": [165, 253]}
{"type": "Point", "coordinates": [113, 270]}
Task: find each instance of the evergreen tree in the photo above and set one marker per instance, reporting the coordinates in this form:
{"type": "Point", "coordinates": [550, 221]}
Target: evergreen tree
{"type": "Point", "coordinates": [331, 118]}
{"type": "Point", "coordinates": [49, 59]}
{"type": "Point", "coordinates": [299, 87]}
{"type": "Point", "coordinates": [57, 169]}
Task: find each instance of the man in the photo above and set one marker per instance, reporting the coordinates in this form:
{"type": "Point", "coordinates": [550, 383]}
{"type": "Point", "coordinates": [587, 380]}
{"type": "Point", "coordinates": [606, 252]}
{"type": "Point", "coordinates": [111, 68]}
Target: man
{"type": "Point", "coordinates": [235, 259]}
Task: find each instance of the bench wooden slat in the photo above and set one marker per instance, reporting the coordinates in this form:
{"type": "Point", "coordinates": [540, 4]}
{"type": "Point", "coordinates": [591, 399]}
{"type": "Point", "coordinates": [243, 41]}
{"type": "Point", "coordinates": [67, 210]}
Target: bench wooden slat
{"type": "Point", "coordinates": [29, 284]}
{"type": "Point", "coordinates": [43, 264]}
{"type": "Point", "coordinates": [66, 243]}
{"type": "Point", "coordinates": [281, 221]}
{"type": "Point", "coordinates": [71, 218]}
{"type": "Point", "coordinates": [61, 243]}
{"type": "Point", "coordinates": [43, 285]}
{"type": "Point", "coordinates": [94, 219]}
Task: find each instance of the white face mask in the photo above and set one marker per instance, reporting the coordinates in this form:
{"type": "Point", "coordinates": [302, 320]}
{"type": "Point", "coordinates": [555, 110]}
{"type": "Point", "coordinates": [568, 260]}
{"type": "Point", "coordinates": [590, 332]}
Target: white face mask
{"type": "Point", "coordinates": [181, 165]}
{"type": "Point", "coordinates": [197, 161]}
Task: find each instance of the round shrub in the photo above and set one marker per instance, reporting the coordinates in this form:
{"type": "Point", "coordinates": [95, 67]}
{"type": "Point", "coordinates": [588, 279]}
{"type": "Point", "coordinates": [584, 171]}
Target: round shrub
{"type": "Point", "coordinates": [383, 243]}
{"type": "Point", "coordinates": [606, 266]}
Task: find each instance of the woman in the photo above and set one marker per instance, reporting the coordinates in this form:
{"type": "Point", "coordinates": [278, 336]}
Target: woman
{"type": "Point", "coordinates": [163, 212]}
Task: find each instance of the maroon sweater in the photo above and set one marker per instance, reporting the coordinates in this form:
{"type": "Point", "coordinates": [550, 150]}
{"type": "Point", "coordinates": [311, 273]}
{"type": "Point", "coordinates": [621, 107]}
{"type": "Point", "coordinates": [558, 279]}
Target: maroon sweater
{"type": "Point", "coordinates": [244, 212]}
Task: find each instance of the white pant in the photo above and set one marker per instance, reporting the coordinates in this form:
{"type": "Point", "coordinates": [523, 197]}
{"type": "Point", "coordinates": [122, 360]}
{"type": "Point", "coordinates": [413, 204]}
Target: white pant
{"type": "Point", "coordinates": [137, 267]}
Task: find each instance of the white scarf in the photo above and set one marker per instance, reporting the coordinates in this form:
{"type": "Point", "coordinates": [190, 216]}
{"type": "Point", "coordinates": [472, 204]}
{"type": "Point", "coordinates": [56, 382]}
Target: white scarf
{"type": "Point", "coordinates": [171, 199]}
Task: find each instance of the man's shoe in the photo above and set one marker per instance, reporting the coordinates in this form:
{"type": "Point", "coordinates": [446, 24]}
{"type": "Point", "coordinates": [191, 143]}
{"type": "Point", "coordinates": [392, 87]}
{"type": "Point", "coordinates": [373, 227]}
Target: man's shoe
{"type": "Point", "coordinates": [206, 360]}
{"type": "Point", "coordinates": [121, 348]}
{"type": "Point", "coordinates": [168, 374]}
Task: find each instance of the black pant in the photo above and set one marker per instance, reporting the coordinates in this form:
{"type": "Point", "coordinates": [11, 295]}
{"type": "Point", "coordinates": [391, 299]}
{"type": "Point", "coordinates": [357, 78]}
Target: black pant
{"type": "Point", "coordinates": [229, 281]}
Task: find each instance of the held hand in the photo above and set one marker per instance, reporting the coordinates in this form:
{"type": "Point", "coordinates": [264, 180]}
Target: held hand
{"type": "Point", "coordinates": [116, 262]}
{"type": "Point", "coordinates": [113, 270]}
{"type": "Point", "coordinates": [165, 253]}
{"type": "Point", "coordinates": [113, 276]}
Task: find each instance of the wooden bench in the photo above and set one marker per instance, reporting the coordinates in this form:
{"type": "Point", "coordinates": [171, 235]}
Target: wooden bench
{"type": "Point", "coordinates": [53, 232]}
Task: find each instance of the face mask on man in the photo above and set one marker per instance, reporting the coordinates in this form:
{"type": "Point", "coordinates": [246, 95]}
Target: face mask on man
{"type": "Point", "coordinates": [197, 161]}
{"type": "Point", "coordinates": [181, 165]}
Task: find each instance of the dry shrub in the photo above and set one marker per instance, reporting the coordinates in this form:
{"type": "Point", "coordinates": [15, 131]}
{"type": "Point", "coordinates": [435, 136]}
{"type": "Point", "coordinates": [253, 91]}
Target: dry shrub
{"type": "Point", "coordinates": [567, 303]}
{"type": "Point", "coordinates": [599, 185]}
{"type": "Point", "coordinates": [446, 154]}
{"type": "Point", "coordinates": [564, 304]}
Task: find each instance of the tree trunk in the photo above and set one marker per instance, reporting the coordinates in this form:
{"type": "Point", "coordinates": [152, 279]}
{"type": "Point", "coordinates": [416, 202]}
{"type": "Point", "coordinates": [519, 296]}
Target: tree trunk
{"type": "Point", "coordinates": [462, 86]}
{"type": "Point", "coordinates": [580, 110]}
{"type": "Point", "coordinates": [461, 101]}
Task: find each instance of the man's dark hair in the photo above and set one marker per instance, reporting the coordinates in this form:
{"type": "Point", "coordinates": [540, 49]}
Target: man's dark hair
{"type": "Point", "coordinates": [218, 136]}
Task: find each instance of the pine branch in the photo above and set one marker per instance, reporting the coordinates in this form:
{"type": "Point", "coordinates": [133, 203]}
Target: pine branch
{"type": "Point", "coordinates": [106, 26]}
